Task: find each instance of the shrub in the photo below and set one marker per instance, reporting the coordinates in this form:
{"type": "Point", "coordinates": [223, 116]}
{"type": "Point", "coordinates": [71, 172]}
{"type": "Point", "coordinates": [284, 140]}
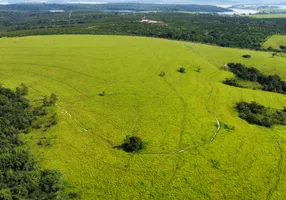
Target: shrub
{"type": "Point", "coordinates": [132, 144]}
{"type": "Point", "coordinates": [46, 102]}
{"type": "Point", "coordinates": [246, 56]}
{"type": "Point", "coordinates": [22, 90]}
{"type": "Point", "coordinates": [53, 99]}
{"type": "Point", "coordinates": [54, 119]}
{"type": "Point", "coordinates": [102, 94]}
{"type": "Point", "coordinates": [215, 163]}
{"type": "Point", "coordinates": [73, 195]}
{"type": "Point", "coordinates": [232, 82]}
{"type": "Point", "coordinates": [283, 47]}
{"type": "Point", "coordinates": [182, 70]}
{"type": "Point", "coordinates": [162, 74]}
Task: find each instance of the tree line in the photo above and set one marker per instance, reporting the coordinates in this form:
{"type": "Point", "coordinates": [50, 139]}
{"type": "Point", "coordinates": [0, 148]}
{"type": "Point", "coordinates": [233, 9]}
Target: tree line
{"type": "Point", "coordinates": [272, 83]}
{"type": "Point", "coordinates": [255, 113]}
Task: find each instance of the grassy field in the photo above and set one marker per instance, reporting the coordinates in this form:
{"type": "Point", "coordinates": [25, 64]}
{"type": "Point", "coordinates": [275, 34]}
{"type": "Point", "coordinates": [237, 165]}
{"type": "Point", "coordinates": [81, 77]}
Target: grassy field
{"type": "Point", "coordinates": [177, 116]}
{"type": "Point", "coordinates": [269, 16]}
{"type": "Point", "coordinates": [275, 41]}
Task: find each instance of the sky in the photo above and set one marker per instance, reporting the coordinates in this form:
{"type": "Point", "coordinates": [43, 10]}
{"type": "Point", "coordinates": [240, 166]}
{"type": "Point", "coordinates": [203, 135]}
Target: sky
{"type": "Point", "coordinates": [209, 2]}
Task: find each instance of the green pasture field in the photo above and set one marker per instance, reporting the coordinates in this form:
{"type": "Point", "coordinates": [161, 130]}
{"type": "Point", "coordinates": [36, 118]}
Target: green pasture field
{"type": "Point", "coordinates": [196, 146]}
{"type": "Point", "coordinates": [275, 41]}
{"type": "Point", "coordinates": [269, 16]}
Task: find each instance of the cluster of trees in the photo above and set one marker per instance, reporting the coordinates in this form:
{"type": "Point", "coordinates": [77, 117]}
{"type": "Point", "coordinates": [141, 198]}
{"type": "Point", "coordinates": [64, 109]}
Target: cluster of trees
{"type": "Point", "coordinates": [255, 113]}
{"type": "Point", "coordinates": [228, 31]}
{"type": "Point", "coordinates": [20, 177]}
{"type": "Point", "coordinates": [272, 83]}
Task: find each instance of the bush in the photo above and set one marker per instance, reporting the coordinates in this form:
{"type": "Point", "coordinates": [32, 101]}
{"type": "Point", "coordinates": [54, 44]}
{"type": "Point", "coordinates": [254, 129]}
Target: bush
{"type": "Point", "coordinates": [53, 99]}
{"type": "Point", "coordinates": [232, 82]}
{"type": "Point", "coordinates": [46, 102]}
{"type": "Point", "coordinates": [102, 94]}
{"type": "Point", "coordinates": [246, 56]}
{"type": "Point", "coordinates": [132, 144]}
{"type": "Point", "coordinates": [73, 195]}
{"type": "Point", "coordinates": [162, 74]}
{"type": "Point", "coordinates": [182, 70]}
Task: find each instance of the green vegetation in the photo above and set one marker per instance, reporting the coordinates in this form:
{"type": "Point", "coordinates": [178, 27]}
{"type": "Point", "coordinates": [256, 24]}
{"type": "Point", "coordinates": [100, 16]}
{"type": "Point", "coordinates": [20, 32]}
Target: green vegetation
{"type": "Point", "coordinates": [176, 115]}
{"type": "Point", "coordinates": [246, 56]}
{"type": "Point", "coordinates": [20, 177]}
{"type": "Point", "coordinates": [132, 144]}
{"type": "Point", "coordinates": [272, 83]}
{"type": "Point", "coordinates": [269, 16]}
{"type": "Point", "coordinates": [275, 42]}
{"type": "Point", "coordinates": [229, 31]}
{"type": "Point", "coordinates": [257, 114]}
{"type": "Point", "coordinates": [182, 70]}
{"type": "Point", "coordinates": [119, 7]}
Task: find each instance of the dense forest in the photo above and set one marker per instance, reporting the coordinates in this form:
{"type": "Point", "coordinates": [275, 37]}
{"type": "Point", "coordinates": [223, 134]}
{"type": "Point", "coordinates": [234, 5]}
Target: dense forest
{"type": "Point", "coordinates": [230, 31]}
{"type": "Point", "coordinates": [272, 83]}
{"type": "Point", "coordinates": [20, 177]}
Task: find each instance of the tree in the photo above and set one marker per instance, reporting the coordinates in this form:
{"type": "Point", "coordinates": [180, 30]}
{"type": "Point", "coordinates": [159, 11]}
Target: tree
{"type": "Point", "coordinates": [274, 54]}
{"type": "Point", "coordinates": [162, 74]}
{"type": "Point", "coordinates": [46, 102]}
{"type": "Point", "coordinates": [132, 144]}
{"type": "Point", "coordinates": [50, 183]}
{"type": "Point", "coordinates": [53, 99]}
{"type": "Point", "coordinates": [22, 90]}
{"type": "Point", "coordinates": [246, 56]}
{"type": "Point", "coordinates": [102, 94]}
{"type": "Point", "coordinates": [182, 70]}
{"type": "Point", "coordinates": [5, 194]}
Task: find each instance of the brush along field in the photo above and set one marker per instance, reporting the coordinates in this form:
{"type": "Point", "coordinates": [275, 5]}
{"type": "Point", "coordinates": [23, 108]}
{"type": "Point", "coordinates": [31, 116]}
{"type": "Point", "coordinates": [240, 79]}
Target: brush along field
{"type": "Point", "coordinates": [196, 146]}
{"type": "Point", "coordinates": [275, 41]}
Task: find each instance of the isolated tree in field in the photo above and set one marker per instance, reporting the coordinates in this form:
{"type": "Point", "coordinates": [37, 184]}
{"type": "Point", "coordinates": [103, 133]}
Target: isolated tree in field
{"type": "Point", "coordinates": [132, 144]}
{"type": "Point", "coordinates": [162, 74]}
{"type": "Point", "coordinates": [246, 56]}
{"type": "Point", "coordinates": [102, 94]}
{"type": "Point", "coordinates": [182, 70]}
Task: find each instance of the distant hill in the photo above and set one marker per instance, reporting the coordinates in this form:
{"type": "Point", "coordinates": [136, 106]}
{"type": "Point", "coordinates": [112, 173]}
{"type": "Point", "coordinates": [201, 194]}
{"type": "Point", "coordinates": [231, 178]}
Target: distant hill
{"type": "Point", "coordinates": [115, 7]}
